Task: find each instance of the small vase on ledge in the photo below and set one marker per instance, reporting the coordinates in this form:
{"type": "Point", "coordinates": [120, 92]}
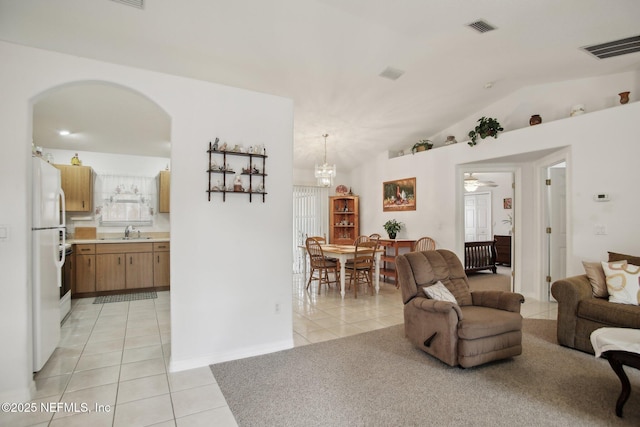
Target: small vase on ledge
{"type": "Point", "coordinates": [535, 120]}
{"type": "Point", "coordinates": [624, 97]}
{"type": "Point", "coordinates": [392, 236]}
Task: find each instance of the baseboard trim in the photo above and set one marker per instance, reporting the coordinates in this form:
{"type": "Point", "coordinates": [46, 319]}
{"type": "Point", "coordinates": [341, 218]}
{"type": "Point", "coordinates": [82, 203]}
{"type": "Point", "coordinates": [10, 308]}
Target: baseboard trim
{"type": "Point", "coordinates": [210, 359]}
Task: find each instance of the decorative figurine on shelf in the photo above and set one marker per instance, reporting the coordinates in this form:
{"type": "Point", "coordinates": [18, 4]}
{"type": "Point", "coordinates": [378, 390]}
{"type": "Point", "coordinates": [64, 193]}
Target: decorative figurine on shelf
{"type": "Point", "coordinates": [260, 188]}
{"type": "Point", "coordinates": [237, 184]}
{"type": "Point", "coordinates": [75, 161]}
{"type": "Point", "coordinates": [223, 147]}
{"type": "Point", "coordinates": [255, 170]}
{"type": "Point", "coordinates": [215, 144]}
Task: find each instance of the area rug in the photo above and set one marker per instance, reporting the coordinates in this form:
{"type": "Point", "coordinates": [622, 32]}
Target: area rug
{"type": "Point", "coordinates": [379, 379]}
{"type": "Point", "coordinates": [125, 297]}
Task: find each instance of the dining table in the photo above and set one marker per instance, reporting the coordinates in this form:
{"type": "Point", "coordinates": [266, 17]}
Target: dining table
{"type": "Point", "coordinates": [344, 253]}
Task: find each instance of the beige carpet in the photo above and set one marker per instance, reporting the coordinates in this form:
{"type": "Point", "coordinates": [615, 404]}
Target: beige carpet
{"type": "Point", "coordinates": [487, 281]}
{"type": "Point", "coordinates": [379, 379]}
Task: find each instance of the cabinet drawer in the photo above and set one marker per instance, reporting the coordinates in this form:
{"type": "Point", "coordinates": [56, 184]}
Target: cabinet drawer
{"type": "Point", "coordinates": [119, 248]}
{"type": "Point", "coordinates": [161, 246]}
{"type": "Point", "coordinates": [85, 249]}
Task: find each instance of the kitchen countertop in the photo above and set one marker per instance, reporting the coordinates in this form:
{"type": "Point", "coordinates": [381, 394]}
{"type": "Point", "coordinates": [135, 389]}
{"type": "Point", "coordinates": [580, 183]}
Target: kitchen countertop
{"type": "Point", "coordinates": [118, 240]}
{"type": "Point", "coordinates": [151, 237]}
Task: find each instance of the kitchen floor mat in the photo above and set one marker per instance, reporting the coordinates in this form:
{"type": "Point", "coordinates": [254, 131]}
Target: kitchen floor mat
{"type": "Point", "coordinates": [125, 297]}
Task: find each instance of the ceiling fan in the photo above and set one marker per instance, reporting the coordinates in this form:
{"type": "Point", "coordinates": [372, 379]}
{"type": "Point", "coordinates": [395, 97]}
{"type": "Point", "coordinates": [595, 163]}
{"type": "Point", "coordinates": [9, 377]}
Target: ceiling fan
{"type": "Point", "coordinates": [471, 183]}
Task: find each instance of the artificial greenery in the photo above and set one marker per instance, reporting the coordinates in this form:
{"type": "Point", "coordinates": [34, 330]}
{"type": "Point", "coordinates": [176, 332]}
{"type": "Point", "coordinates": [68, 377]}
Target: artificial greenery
{"type": "Point", "coordinates": [422, 143]}
{"type": "Point", "coordinates": [392, 226]}
{"type": "Point", "coordinates": [487, 126]}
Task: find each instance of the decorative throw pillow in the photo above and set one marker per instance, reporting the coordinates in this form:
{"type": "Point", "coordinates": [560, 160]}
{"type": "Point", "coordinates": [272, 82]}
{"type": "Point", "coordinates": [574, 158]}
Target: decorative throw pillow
{"type": "Point", "coordinates": [596, 276]}
{"type": "Point", "coordinates": [439, 292]}
{"type": "Point", "coordinates": [623, 282]}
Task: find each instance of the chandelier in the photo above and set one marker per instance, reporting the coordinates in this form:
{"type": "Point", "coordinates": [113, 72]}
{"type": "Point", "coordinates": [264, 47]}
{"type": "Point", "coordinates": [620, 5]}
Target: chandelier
{"type": "Point", "coordinates": [326, 172]}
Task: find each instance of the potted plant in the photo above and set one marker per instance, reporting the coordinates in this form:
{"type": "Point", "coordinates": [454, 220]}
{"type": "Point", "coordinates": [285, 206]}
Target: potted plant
{"type": "Point", "coordinates": [392, 227]}
{"type": "Point", "coordinates": [487, 126]}
{"type": "Point", "coordinates": [422, 145]}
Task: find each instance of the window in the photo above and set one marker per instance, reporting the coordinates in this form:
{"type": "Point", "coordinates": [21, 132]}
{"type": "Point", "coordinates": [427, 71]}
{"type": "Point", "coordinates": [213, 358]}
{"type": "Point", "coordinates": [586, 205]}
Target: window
{"type": "Point", "coordinates": [310, 218]}
{"type": "Point", "coordinates": [125, 200]}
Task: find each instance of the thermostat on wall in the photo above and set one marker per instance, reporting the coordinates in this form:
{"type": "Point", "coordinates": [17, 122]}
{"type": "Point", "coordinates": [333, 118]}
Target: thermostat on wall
{"type": "Point", "coordinates": [602, 197]}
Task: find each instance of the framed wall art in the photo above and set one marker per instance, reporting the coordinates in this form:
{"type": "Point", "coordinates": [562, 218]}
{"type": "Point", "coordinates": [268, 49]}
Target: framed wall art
{"type": "Point", "coordinates": [399, 195]}
{"type": "Point", "coordinates": [507, 203]}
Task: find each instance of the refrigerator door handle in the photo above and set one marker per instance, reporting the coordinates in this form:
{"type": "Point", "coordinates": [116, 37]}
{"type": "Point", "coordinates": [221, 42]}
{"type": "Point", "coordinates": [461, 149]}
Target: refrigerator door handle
{"type": "Point", "coordinates": [60, 255]}
{"type": "Point", "coordinates": [63, 211]}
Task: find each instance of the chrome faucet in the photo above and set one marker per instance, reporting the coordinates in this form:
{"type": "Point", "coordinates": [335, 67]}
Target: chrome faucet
{"type": "Point", "coordinates": [128, 230]}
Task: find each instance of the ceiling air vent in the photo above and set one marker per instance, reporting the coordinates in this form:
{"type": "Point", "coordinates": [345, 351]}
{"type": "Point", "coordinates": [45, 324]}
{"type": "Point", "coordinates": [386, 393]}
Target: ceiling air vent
{"type": "Point", "coordinates": [391, 73]}
{"type": "Point", "coordinates": [133, 3]}
{"type": "Point", "coordinates": [615, 48]}
{"type": "Point", "coordinates": [481, 26]}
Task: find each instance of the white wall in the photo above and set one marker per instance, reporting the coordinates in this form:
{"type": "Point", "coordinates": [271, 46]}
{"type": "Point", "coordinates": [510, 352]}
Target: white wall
{"type": "Point", "coordinates": [602, 151]}
{"type": "Point", "coordinates": [223, 290]}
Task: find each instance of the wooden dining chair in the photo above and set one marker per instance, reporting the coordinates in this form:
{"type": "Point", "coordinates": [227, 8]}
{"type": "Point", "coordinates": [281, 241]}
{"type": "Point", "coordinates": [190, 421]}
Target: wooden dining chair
{"type": "Point", "coordinates": [360, 239]}
{"type": "Point", "coordinates": [320, 265]}
{"type": "Point", "coordinates": [424, 244]}
{"type": "Point", "coordinates": [361, 267]}
{"type": "Point", "coordinates": [375, 236]}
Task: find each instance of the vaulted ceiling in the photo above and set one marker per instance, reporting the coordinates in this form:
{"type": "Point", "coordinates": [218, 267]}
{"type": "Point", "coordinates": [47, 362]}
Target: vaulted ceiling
{"type": "Point", "coordinates": [327, 55]}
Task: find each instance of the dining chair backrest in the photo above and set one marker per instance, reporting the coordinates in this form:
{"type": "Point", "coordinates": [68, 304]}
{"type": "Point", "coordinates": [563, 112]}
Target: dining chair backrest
{"type": "Point", "coordinates": [365, 251]}
{"type": "Point", "coordinates": [360, 239]}
{"type": "Point", "coordinates": [316, 254]}
{"type": "Point", "coordinates": [375, 236]}
{"type": "Point", "coordinates": [424, 244]}
{"type": "Point", "coordinates": [321, 239]}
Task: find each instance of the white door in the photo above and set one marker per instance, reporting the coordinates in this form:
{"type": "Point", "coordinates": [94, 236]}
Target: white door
{"type": "Point", "coordinates": [477, 217]}
{"type": "Point", "coordinates": [557, 224]}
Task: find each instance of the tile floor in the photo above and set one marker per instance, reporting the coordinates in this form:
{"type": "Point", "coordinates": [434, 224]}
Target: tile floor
{"type": "Point", "coordinates": [117, 354]}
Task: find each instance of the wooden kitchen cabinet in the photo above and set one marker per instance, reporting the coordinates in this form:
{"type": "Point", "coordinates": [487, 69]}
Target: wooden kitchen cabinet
{"type": "Point", "coordinates": [85, 269]}
{"type": "Point", "coordinates": [344, 223]}
{"type": "Point", "coordinates": [164, 193]}
{"type": "Point", "coordinates": [77, 184]}
{"type": "Point", "coordinates": [124, 266]}
{"type": "Point", "coordinates": [110, 272]}
{"type": "Point", "coordinates": [161, 258]}
{"type": "Point", "coordinates": [106, 268]}
{"type": "Point", "coordinates": [139, 270]}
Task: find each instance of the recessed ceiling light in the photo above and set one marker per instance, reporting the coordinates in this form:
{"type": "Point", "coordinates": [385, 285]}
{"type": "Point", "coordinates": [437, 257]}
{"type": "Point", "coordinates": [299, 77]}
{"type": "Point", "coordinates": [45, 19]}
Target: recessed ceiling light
{"type": "Point", "coordinates": [64, 132]}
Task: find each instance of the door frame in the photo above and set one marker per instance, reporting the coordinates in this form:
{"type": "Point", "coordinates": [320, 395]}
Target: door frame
{"type": "Point", "coordinates": [516, 243]}
{"type": "Point", "coordinates": [541, 167]}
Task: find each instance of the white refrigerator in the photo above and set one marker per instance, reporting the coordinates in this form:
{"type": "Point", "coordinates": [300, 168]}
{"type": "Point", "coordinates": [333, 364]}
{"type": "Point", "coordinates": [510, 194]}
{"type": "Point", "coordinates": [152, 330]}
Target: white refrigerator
{"type": "Point", "coordinates": [48, 240]}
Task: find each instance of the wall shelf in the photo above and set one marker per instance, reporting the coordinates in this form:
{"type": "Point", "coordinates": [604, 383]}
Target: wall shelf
{"type": "Point", "coordinates": [256, 177]}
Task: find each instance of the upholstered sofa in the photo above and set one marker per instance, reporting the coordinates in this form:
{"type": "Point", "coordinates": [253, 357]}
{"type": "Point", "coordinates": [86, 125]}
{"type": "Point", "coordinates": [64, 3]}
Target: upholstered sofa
{"type": "Point", "coordinates": [457, 326]}
{"type": "Point", "coordinates": [582, 308]}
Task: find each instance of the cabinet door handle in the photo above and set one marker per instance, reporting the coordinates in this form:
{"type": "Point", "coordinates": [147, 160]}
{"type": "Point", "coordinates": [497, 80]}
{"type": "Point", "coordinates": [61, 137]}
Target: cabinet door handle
{"type": "Point", "coordinates": [89, 262]}
{"type": "Point", "coordinates": [83, 203]}
{"type": "Point", "coordinates": [85, 249]}
{"type": "Point", "coordinates": [130, 260]}
{"type": "Point", "coordinates": [118, 260]}
{"type": "Point", "coordinates": [158, 259]}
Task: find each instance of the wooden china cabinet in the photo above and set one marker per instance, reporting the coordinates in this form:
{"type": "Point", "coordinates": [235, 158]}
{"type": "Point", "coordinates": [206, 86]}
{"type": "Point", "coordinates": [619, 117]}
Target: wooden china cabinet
{"type": "Point", "coordinates": [344, 223]}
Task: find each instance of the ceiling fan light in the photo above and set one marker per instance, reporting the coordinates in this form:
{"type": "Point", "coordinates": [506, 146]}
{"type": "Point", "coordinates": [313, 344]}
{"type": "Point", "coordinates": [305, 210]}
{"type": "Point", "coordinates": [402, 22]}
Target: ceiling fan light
{"type": "Point", "coordinates": [471, 185]}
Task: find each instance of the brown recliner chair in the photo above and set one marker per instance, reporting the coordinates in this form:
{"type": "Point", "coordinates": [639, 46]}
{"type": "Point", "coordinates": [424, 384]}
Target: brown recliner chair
{"type": "Point", "coordinates": [482, 326]}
